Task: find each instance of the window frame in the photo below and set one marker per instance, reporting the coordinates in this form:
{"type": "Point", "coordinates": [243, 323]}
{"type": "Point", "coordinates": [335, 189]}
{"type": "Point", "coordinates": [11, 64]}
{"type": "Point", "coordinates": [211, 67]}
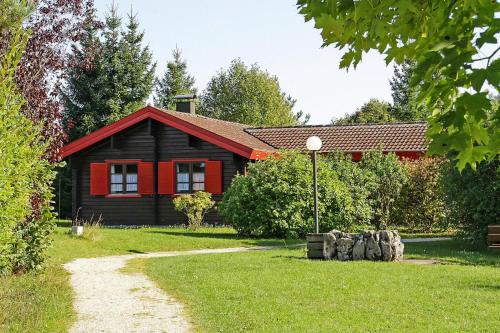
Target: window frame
{"type": "Point", "coordinates": [123, 193]}
{"type": "Point", "coordinates": [191, 182]}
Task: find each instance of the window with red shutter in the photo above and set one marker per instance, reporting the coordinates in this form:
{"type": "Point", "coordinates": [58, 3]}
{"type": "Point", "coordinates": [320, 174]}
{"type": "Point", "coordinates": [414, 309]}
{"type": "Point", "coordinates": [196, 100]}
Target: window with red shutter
{"type": "Point", "coordinates": [146, 178]}
{"type": "Point", "coordinates": [98, 179]}
{"type": "Point", "coordinates": [166, 177]}
{"type": "Point", "coordinates": [213, 177]}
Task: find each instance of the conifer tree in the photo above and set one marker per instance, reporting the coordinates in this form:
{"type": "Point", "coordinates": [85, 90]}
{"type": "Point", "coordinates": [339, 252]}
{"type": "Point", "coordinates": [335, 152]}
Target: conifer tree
{"type": "Point", "coordinates": [175, 81]}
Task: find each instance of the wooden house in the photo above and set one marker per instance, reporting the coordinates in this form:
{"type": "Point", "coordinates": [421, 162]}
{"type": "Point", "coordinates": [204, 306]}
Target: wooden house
{"type": "Point", "coordinates": [129, 171]}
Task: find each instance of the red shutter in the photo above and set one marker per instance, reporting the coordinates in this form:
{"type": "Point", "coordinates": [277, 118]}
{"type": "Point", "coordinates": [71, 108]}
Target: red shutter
{"type": "Point", "coordinates": [166, 178]}
{"type": "Point", "coordinates": [145, 181]}
{"type": "Point", "coordinates": [98, 179]}
{"type": "Point", "coordinates": [213, 177]}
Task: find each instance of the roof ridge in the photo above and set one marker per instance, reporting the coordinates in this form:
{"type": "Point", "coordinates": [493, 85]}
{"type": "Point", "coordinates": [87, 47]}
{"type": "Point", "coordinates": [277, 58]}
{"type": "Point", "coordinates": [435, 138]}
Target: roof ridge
{"type": "Point", "coordinates": [337, 125]}
{"type": "Point", "coordinates": [202, 116]}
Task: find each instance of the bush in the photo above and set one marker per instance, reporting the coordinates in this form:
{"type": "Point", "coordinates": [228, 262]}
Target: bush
{"type": "Point", "coordinates": [359, 181]}
{"type": "Point", "coordinates": [421, 205]}
{"type": "Point", "coordinates": [25, 176]}
{"type": "Point", "coordinates": [194, 206]}
{"type": "Point", "coordinates": [389, 178]}
{"type": "Point", "coordinates": [473, 198]}
{"type": "Point", "coordinates": [275, 199]}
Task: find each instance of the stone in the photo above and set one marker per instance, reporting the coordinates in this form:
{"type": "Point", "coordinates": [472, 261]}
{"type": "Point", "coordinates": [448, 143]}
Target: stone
{"type": "Point", "coordinates": [397, 249]}
{"type": "Point", "coordinates": [372, 251]}
{"type": "Point", "coordinates": [344, 248]}
{"type": "Point", "coordinates": [386, 250]}
{"type": "Point", "coordinates": [336, 233]}
{"type": "Point", "coordinates": [330, 246]}
{"type": "Point", "coordinates": [358, 250]}
{"type": "Point", "coordinates": [386, 236]}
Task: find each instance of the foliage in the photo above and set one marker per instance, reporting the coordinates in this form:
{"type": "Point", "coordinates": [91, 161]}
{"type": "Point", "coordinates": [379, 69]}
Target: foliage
{"type": "Point", "coordinates": [194, 206]}
{"type": "Point", "coordinates": [249, 96]}
{"type": "Point", "coordinates": [421, 205]}
{"type": "Point", "coordinates": [92, 230]}
{"type": "Point", "coordinates": [175, 81]}
{"type": "Point", "coordinates": [359, 181]}
{"type": "Point", "coordinates": [113, 77]}
{"type": "Point", "coordinates": [389, 176]}
{"type": "Point", "coordinates": [276, 198]}
{"type": "Point", "coordinates": [25, 175]}
{"type": "Point", "coordinates": [375, 111]}
{"type": "Point", "coordinates": [447, 41]}
{"type": "Point", "coordinates": [474, 198]}
{"type": "Point", "coordinates": [405, 107]}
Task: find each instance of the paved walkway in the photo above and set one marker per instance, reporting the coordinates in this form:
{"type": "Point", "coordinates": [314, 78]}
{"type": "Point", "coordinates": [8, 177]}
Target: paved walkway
{"type": "Point", "coordinates": [108, 300]}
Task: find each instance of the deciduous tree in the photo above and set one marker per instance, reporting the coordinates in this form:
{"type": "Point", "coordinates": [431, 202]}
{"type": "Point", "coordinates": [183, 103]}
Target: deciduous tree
{"type": "Point", "coordinates": [455, 46]}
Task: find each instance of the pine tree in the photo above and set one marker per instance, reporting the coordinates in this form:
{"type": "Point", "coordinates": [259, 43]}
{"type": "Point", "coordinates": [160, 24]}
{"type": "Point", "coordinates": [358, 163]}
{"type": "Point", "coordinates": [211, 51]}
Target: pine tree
{"type": "Point", "coordinates": [175, 81]}
{"type": "Point", "coordinates": [404, 106]}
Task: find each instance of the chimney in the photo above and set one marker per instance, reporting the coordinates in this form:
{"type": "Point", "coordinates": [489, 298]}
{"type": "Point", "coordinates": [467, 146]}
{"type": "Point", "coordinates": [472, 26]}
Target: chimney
{"type": "Point", "coordinates": [185, 103]}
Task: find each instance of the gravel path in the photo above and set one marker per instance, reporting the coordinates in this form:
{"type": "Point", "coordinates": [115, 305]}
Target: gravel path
{"type": "Point", "coordinates": [107, 300]}
{"type": "Point", "coordinates": [428, 239]}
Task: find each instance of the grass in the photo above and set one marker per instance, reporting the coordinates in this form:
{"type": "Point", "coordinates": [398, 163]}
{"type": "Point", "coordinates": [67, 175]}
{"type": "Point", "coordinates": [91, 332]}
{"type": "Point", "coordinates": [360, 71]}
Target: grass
{"type": "Point", "coordinates": [43, 302]}
{"type": "Point", "coordinates": [280, 291]}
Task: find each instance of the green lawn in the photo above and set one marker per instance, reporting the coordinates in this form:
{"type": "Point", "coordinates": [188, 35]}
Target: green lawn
{"type": "Point", "coordinates": [43, 302]}
{"type": "Point", "coordinates": [281, 291]}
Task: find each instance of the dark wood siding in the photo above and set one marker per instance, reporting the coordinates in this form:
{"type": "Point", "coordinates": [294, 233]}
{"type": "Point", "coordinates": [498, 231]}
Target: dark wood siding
{"type": "Point", "coordinates": [138, 143]}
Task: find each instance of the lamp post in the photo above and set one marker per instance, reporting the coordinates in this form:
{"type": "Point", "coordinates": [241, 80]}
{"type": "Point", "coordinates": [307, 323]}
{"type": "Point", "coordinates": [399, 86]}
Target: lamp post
{"type": "Point", "coordinates": [314, 144]}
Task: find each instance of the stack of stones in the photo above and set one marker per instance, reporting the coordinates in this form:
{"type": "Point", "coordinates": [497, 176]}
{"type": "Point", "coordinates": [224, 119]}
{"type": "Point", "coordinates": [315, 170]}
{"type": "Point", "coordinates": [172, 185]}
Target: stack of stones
{"type": "Point", "coordinates": [370, 245]}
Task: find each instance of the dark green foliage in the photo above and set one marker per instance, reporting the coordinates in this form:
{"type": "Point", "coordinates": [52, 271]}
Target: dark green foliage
{"type": "Point", "coordinates": [389, 178]}
{"type": "Point", "coordinates": [25, 176]}
{"type": "Point", "coordinates": [175, 81]}
{"type": "Point", "coordinates": [421, 205]}
{"type": "Point", "coordinates": [473, 198]}
{"type": "Point", "coordinates": [360, 182]}
{"type": "Point", "coordinates": [249, 96]}
{"type": "Point", "coordinates": [404, 96]}
{"type": "Point", "coordinates": [276, 198]}
{"type": "Point", "coordinates": [115, 79]}
{"type": "Point", "coordinates": [375, 111]}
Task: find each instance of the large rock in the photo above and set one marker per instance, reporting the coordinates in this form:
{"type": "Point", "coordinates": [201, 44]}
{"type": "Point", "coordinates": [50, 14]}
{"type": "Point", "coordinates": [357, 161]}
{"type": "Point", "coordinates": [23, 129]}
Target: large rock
{"type": "Point", "coordinates": [397, 248]}
{"type": "Point", "coordinates": [358, 251]}
{"type": "Point", "coordinates": [386, 236]}
{"type": "Point", "coordinates": [336, 233]}
{"type": "Point", "coordinates": [386, 250]}
{"type": "Point", "coordinates": [372, 251]}
{"type": "Point", "coordinates": [330, 246]}
{"type": "Point", "coordinates": [344, 248]}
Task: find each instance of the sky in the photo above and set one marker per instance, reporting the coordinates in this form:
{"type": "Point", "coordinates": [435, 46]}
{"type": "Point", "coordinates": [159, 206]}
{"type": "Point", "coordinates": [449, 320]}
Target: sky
{"type": "Point", "coordinates": [269, 33]}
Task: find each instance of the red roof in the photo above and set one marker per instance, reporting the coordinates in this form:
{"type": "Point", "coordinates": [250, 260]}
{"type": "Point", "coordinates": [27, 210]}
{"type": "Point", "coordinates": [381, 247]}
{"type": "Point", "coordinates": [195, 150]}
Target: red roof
{"type": "Point", "coordinates": [390, 137]}
{"type": "Point", "coordinates": [227, 135]}
{"type": "Point", "coordinates": [257, 143]}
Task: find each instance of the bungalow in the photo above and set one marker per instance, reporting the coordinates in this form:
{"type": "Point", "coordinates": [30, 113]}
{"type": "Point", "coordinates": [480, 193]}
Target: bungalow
{"type": "Point", "coordinates": [128, 171]}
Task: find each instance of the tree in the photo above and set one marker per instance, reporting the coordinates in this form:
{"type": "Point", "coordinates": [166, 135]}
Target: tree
{"type": "Point", "coordinates": [374, 111]}
{"type": "Point", "coordinates": [447, 40]}
{"type": "Point", "coordinates": [405, 107]}
{"type": "Point", "coordinates": [248, 96]}
{"type": "Point", "coordinates": [175, 81]}
{"type": "Point", "coordinates": [389, 178]}
{"type": "Point", "coordinates": [275, 199]}
{"type": "Point", "coordinates": [24, 172]}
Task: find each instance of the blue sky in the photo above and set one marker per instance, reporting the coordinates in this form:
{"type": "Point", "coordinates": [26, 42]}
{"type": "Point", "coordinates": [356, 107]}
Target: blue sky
{"type": "Point", "coordinates": [270, 33]}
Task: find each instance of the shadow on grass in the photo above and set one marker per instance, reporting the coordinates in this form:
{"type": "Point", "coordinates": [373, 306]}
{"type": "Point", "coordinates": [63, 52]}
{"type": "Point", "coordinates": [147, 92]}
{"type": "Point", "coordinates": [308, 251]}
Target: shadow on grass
{"type": "Point", "coordinates": [251, 241]}
{"type": "Point", "coordinates": [136, 251]}
{"type": "Point", "coordinates": [453, 251]}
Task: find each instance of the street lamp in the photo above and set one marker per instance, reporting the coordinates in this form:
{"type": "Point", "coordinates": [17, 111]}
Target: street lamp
{"type": "Point", "coordinates": [314, 144]}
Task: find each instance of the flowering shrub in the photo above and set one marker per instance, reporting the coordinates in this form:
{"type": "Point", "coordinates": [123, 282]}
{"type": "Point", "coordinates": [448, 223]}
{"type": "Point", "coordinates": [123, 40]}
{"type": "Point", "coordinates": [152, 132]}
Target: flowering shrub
{"type": "Point", "coordinates": [194, 206]}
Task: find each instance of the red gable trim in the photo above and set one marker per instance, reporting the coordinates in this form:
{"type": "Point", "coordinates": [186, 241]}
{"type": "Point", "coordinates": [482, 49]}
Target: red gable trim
{"type": "Point", "coordinates": [167, 119]}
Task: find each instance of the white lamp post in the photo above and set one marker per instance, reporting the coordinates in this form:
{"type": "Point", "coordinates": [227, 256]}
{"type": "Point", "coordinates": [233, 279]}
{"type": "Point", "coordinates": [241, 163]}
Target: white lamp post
{"type": "Point", "coordinates": [314, 144]}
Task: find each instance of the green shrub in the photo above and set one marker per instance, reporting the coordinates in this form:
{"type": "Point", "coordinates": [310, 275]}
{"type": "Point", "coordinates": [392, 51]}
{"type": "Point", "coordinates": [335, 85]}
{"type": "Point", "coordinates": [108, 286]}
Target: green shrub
{"type": "Point", "coordinates": [359, 181]}
{"type": "Point", "coordinates": [421, 205]}
{"type": "Point", "coordinates": [194, 206]}
{"type": "Point", "coordinates": [25, 176]}
{"type": "Point", "coordinates": [275, 199]}
{"type": "Point", "coordinates": [389, 178]}
{"type": "Point", "coordinates": [473, 198]}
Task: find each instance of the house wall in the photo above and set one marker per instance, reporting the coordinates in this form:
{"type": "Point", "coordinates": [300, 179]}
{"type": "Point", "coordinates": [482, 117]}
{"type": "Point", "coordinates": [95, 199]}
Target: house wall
{"type": "Point", "coordinates": [148, 141]}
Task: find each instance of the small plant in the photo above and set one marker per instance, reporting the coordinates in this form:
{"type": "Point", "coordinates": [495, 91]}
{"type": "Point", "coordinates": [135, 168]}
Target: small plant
{"type": "Point", "coordinates": [91, 228]}
{"type": "Point", "coordinates": [194, 206]}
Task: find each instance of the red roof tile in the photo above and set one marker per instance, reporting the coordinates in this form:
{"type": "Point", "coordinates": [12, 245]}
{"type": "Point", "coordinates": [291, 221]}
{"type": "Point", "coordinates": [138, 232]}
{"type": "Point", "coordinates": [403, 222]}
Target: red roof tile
{"type": "Point", "coordinates": [348, 138]}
